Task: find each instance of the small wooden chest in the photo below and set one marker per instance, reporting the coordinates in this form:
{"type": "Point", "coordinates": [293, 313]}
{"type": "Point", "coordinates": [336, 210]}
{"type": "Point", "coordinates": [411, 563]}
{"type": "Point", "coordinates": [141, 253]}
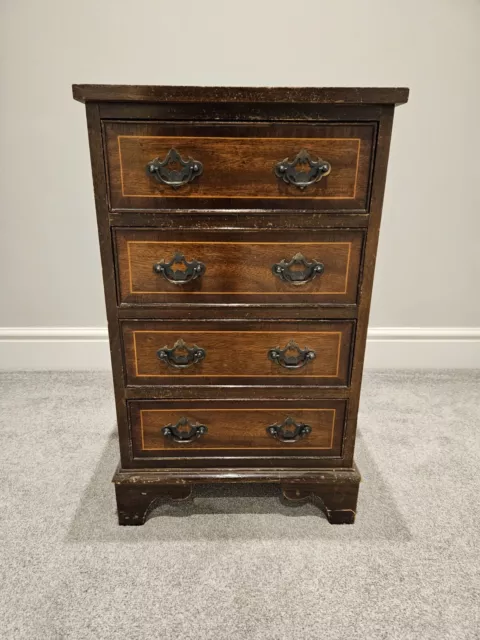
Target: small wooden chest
{"type": "Point", "coordinates": [238, 231]}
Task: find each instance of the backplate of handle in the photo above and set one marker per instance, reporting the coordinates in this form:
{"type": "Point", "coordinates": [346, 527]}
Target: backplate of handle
{"type": "Point", "coordinates": [289, 430]}
{"type": "Point", "coordinates": [287, 272]}
{"type": "Point", "coordinates": [184, 431]}
{"type": "Point", "coordinates": [181, 356]}
{"type": "Point", "coordinates": [303, 170]}
{"type": "Point", "coordinates": [167, 171]}
{"type": "Point", "coordinates": [192, 270]}
{"type": "Point", "coordinates": [292, 356]}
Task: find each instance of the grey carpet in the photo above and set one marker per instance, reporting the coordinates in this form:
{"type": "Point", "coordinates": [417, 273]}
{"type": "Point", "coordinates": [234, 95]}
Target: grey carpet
{"type": "Point", "coordinates": [235, 563]}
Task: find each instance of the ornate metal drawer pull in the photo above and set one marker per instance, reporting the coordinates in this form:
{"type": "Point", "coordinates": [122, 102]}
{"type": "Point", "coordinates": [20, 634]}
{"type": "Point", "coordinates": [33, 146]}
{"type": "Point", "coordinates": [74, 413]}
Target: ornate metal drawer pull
{"type": "Point", "coordinates": [303, 170]}
{"type": "Point", "coordinates": [284, 271]}
{"type": "Point", "coordinates": [289, 430]}
{"type": "Point", "coordinates": [192, 271]}
{"type": "Point", "coordinates": [291, 357]}
{"type": "Point", "coordinates": [163, 172]}
{"type": "Point", "coordinates": [178, 433]}
{"type": "Point", "coordinates": [180, 355]}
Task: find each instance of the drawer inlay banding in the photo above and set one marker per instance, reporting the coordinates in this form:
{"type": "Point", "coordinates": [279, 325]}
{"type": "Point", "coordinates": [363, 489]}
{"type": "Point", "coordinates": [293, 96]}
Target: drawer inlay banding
{"type": "Point", "coordinates": [321, 266]}
{"type": "Point", "coordinates": [225, 417]}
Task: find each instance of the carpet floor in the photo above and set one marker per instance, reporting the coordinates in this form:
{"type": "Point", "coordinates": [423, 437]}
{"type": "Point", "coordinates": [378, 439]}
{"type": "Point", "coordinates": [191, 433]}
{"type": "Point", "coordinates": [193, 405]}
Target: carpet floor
{"type": "Point", "coordinates": [235, 563]}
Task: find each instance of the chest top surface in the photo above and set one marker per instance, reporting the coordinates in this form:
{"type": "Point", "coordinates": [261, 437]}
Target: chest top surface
{"type": "Point", "coordinates": [158, 93]}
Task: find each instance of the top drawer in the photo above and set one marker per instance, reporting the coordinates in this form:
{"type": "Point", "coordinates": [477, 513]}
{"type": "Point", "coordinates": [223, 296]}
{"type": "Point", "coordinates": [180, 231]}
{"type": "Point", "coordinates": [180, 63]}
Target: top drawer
{"type": "Point", "coordinates": [316, 167]}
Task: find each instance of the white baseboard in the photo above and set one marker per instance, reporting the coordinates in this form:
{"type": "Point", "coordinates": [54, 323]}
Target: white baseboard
{"type": "Point", "coordinates": [54, 348]}
{"type": "Point", "coordinates": [423, 348]}
{"type": "Point", "coordinates": [83, 348]}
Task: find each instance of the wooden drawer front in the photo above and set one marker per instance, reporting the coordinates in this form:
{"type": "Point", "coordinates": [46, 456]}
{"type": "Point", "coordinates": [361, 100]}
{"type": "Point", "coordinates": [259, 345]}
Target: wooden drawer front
{"type": "Point", "coordinates": [217, 428]}
{"type": "Point", "coordinates": [238, 164]}
{"type": "Point", "coordinates": [240, 352]}
{"type": "Point", "coordinates": [238, 266]}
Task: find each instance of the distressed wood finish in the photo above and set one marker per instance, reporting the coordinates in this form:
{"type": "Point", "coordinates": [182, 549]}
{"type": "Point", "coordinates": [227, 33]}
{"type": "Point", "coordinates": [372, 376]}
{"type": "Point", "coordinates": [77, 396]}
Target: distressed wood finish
{"type": "Point", "coordinates": [238, 266]}
{"type": "Point", "coordinates": [238, 352]}
{"type": "Point", "coordinates": [333, 490]}
{"type": "Point", "coordinates": [238, 164]}
{"type": "Point", "coordinates": [236, 96]}
{"type": "Point", "coordinates": [239, 429]}
{"type": "Point", "coordinates": [235, 218]}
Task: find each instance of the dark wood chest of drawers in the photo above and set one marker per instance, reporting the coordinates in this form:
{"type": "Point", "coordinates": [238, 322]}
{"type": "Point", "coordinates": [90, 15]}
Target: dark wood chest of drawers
{"type": "Point", "coordinates": [238, 232]}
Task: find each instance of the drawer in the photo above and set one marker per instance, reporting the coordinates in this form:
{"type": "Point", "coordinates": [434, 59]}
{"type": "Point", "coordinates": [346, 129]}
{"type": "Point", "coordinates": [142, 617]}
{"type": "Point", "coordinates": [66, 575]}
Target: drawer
{"type": "Point", "coordinates": [216, 428]}
{"type": "Point", "coordinates": [237, 352]}
{"type": "Point", "coordinates": [165, 165]}
{"type": "Point", "coordinates": [161, 266]}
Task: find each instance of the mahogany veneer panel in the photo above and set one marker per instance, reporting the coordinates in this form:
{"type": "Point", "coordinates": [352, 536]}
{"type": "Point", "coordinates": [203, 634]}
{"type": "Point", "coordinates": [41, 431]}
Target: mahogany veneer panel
{"type": "Point", "coordinates": [239, 429]}
{"type": "Point", "coordinates": [237, 352]}
{"type": "Point", "coordinates": [238, 266]}
{"type": "Point", "coordinates": [238, 164]}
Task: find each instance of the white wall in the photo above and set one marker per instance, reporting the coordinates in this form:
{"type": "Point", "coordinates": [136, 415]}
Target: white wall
{"type": "Point", "coordinates": [428, 271]}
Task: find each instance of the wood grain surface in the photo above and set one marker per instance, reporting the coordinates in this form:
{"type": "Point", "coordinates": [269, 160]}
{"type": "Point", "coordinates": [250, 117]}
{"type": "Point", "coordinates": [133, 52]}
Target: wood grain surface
{"type": "Point", "coordinates": [232, 428]}
{"type": "Point", "coordinates": [238, 266]}
{"type": "Point", "coordinates": [237, 351]}
{"type": "Point", "coordinates": [237, 95]}
{"type": "Point", "coordinates": [238, 164]}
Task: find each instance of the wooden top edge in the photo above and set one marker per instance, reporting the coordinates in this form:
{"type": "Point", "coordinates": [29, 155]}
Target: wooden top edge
{"type": "Point", "coordinates": [320, 95]}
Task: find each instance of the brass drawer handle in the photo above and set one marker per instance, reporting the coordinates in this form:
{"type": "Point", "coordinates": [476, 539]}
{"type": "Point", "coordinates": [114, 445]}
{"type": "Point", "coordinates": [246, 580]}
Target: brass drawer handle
{"type": "Point", "coordinates": [311, 270]}
{"type": "Point", "coordinates": [303, 170]}
{"type": "Point", "coordinates": [164, 172]}
{"type": "Point", "coordinates": [291, 357]}
{"type": "Point", "coordinates": [289, 430]}
{"type": "Point", "coordinates": [178, 432]}
{"type": "Point", "coordinates": [181, 356]}
{"type": "Point", "coordinates": [192, 271]}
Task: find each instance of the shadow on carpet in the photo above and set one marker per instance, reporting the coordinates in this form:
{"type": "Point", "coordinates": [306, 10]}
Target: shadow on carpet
{"type": "Point", "coordinates": [241, 512]}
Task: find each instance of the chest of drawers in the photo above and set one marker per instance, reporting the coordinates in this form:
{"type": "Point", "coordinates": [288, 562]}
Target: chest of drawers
{"type": "Point", "coordinates": [238, 232]}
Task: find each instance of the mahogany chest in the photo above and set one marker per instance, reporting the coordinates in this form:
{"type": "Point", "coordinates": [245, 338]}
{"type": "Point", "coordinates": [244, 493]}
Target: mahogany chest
{"type": "Point", "coordinates": [238, 232]}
